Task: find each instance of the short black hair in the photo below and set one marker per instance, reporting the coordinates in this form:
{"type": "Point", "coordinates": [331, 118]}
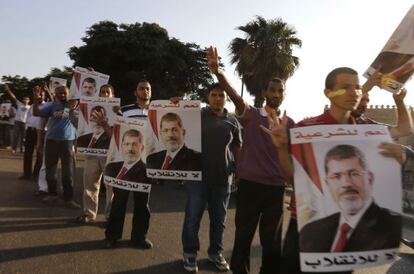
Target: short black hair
{"type": "Point", "coordinates": [132, 133]}
{"type": "Point", "coordinates": [330, 80]}
{"type": "Point", "coordinates": [171, 117]}
{"type": "Point", "coordinates": [342, 152]}
{"type": "Point", "coordinates": [214, 86]}
{"type": "Point", "coordinates": [107, 86]}
{"type": "Point", "coordinates": [89, 80]}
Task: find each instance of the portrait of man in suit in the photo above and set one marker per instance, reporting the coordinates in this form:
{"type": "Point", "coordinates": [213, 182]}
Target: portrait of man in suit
{"type": "Point", "coordinates": [88, 87]}
{"type": "Point", "coordinates": [360, 225]}
{"type": "Point", "coordinates": [176, 156]}
{"type": "Point", "coordinates": [98, 138]}
{"type": "Point", "coordinates": [131, 168]}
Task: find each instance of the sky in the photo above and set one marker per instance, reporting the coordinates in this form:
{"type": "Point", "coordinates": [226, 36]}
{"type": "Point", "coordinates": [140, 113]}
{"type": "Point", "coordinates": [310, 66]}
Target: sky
{"type": "Point", "coordinates": [36, 35]}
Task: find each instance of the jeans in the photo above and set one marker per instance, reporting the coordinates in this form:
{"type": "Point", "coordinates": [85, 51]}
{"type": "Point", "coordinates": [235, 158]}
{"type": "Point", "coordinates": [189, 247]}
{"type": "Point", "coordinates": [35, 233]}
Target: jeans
{"type": "Point", "coordinates": [18, 134]}
{"type": "Point", "coordinates": [54, 150]}
{"type": "Point", "coordinates": [257, 203]}
{"type": "Point", "coordinates": [200, 194]}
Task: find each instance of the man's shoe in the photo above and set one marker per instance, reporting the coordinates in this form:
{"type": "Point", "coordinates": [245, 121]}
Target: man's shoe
{"type": "Point", "coordinates": [109, 243]}
{"type": "Point", "coordinates": [144, 244]}
{"type": "Point", "coordinates": [84, 219]}
{"type": "Point", "coordinates": [72, 204]}
{"type": "Point", "coordinates": [408, 243]}
{"type": "Point", "coordinates": [50, 199]}
{"type": "Point", "coordinates": [40, 193]}
{"type": "Point", "coordinates": [219, 262]}
{"type": "Point", "coordinates": [190, 264]}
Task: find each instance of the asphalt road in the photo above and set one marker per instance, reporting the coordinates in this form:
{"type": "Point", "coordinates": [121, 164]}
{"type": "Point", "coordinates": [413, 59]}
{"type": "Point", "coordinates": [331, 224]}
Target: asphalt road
{"type": "Point", "coordinates": [37, 238]}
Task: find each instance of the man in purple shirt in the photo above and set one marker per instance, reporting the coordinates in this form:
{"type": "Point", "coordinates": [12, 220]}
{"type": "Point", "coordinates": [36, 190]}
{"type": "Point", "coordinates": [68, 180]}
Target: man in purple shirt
{"type": "Point", "coordinates": [261, 186]}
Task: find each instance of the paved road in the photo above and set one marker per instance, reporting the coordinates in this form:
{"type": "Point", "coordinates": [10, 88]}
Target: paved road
{"type": "Point", "coordinates": [35, 238]}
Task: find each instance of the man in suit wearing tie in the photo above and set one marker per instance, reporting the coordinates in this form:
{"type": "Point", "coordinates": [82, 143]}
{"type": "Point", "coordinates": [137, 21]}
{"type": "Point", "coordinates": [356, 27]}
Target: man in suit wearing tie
{"type": "Point", "coordinates": [361, 225]}
{"type": "Point", "coordinates": [176, 156]}
{"type": "Point", "coordinates": [98, 138]}
{"type": "Point", "coordinates": [132, 168]}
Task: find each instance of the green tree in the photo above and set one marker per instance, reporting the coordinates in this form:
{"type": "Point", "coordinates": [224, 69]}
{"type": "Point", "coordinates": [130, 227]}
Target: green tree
{"type": "Point", "coordinates": [130, 52]}
{"type": "Point", "coordinates": [264, 52]}
{"type": "Point", "coordinates": [21, 86]}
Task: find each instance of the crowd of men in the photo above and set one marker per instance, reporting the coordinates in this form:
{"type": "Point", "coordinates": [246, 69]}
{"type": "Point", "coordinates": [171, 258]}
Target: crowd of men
{"type": "Point", "coordinates": [253, 144]}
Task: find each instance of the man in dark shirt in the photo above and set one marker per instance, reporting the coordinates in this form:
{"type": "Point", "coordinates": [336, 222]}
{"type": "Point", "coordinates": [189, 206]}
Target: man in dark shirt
{"type": "Point", "coordinates": [220, 145]}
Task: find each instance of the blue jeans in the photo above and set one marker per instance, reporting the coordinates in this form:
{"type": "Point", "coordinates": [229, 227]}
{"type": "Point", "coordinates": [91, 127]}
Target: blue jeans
{"type": "Point", "coordinates": [200, 194]}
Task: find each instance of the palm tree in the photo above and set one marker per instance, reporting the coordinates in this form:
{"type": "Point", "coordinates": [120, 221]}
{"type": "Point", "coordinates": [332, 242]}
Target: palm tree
{"type": "Point", "coordinates": [265, 52]}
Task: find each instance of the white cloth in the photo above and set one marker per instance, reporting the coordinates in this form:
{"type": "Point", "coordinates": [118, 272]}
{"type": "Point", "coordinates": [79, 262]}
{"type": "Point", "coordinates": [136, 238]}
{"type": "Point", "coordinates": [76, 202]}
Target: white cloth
{"type": "Point", "coordinates": [21, 112]}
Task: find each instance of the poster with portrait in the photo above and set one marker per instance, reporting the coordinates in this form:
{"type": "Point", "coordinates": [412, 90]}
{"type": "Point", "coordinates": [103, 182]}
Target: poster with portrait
{"type": "Point", "coordinates": [54, 82]}
{"type": "Point", "coordinates": [174, 140]}
{"type": "Point", "coordinates": [87, 83]}
{"type": "Point", "coordinates": [96, 116]}
{"type": "Point", "coordinates": [125, 165]}
{"type": "Point", "coordinates": [5, 113]}
{"type": "Point", "coordinates": [348, 197]}
{"type": "Point", "coordinates": [396, 59]}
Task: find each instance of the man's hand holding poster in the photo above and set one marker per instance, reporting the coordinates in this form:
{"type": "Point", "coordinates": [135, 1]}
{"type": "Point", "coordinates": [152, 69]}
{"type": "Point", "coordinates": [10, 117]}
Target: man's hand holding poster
{"type": "Point", "coordinates": [396, 60]}
{"type": "Point", "coordinates": [174, 140]}
{"type": "Point", "coordinates": [348, 197]}
{"type": "Point", "coordinates": [125, 166]}
{"type": "Point", "coordinates": [54, 82]}
{"type": "Point", "coordinates": [87, 83]}
{"type": "Point", "coordinates": [96, 119]}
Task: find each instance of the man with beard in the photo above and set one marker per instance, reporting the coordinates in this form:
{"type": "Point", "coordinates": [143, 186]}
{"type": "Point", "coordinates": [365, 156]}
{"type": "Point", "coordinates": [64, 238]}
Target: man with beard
{"type": "Point", "coordinates": [176, 156]}
{"type": "Point", "coordinates": [98, 138]}
{"type": "Point", "coordinates": [140, 222]}
{"type": "Point", "coordinates": [131, 168]}
{"type": "Point", "coordinates": [361, 225]}
{"type": "Point", "coordinates": [88, 87]}
{"type": "Point", "coordinates": [262, 184]}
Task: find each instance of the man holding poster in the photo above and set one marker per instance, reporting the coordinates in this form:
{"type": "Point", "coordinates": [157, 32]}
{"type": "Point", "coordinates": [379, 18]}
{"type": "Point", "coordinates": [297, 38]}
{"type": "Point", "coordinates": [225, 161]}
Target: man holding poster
{"type": "Point", "coordinates": [131, 149]}
{"type": "Point", "coordinates": [344, 92]}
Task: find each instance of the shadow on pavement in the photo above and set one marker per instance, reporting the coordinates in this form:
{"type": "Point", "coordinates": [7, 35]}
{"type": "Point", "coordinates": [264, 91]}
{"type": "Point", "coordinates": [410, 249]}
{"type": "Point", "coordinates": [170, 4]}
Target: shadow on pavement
{"type": "Point", "coordinates": [175, 267]}
{"type": "Point", "coordinates": [38, 251]}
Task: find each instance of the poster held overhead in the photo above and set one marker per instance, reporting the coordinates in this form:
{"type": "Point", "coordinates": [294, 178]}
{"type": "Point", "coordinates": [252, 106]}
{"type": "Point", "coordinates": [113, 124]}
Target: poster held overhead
{"type": "Point", "coordinates": [86, 83]}
{"type": "Point", "coordinates": [396, 60]}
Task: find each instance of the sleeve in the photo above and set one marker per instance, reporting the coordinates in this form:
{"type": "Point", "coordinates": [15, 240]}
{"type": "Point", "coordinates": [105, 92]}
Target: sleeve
{"type": "Point", "coordinates": [74, 118]}
{"type": "Point", "coordinates": [237, 133]}
{"type": "Point", "coordinates": [245, 116]}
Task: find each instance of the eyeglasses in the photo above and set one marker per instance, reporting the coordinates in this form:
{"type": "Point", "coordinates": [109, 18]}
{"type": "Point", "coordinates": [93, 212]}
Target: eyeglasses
{"type": "Point", "coordinates": [353, 174]}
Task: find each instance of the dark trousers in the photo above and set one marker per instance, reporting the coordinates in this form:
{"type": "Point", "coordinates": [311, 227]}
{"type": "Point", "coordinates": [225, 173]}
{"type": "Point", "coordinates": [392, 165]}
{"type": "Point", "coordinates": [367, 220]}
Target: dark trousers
{"type": "Point", "coordinates": [30, 145]}
{"type": "Point", "coordinates": [257, 203]}
{"type": "Point", "coordinates": [18, 134]}
{"type": "Point", "coordinates": [290, 257]}
{"type": "Point", "coordinates": [63, 150]}
{"type": "Point", "coordinates": [140, 221]}
{"type": "Point", "coordinates": [5, 134]}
